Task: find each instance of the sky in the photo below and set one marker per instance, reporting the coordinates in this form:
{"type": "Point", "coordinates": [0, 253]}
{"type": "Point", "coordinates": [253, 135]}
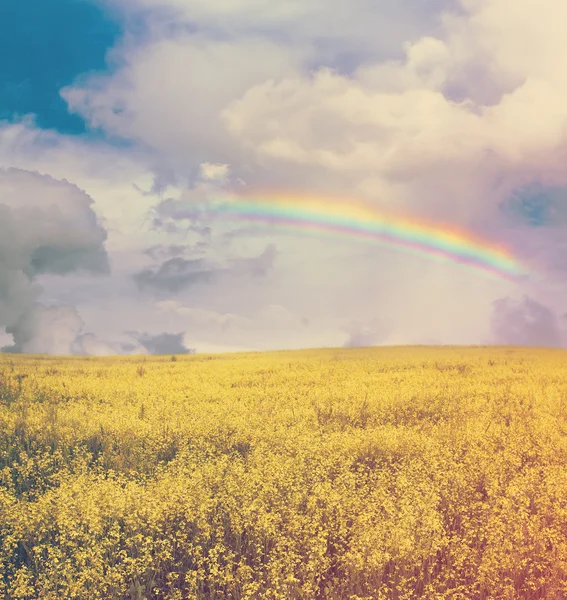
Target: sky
{"type": "Point", "coordinates": [126, 126]}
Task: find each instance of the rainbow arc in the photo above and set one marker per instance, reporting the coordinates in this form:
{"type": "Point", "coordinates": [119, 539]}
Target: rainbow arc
{"type": "Point", "coordinates": [350, 218]}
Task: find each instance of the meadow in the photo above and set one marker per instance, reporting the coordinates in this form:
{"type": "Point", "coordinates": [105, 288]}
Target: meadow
{"type": "Point", "coordinates": [358, 474]}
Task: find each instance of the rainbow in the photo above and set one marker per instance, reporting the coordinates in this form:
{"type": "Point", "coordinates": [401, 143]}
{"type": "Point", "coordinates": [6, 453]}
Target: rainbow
{"type": "Point", "coordinates": [336, 216]}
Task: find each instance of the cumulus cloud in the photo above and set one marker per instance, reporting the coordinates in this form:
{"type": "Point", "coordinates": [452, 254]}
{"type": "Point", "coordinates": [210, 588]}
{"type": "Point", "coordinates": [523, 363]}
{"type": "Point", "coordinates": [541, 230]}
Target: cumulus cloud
{"type": "Point", "coordinates": [45, 330]}
{"type": "Point", "coordinates": [525, 323]}
{"type": "Point", "coordinates": [213, 72]}
{"type": "Point", "coordinates": [46, 226]}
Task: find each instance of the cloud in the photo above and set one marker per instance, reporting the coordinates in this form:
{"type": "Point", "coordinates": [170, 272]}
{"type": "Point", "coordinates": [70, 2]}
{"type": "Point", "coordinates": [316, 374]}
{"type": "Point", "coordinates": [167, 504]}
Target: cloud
{"type": "Point", "coordinates": [163, 252]}
{"type": "Point", "coordinates": [49, 226]}
{"type": "Point", "coordinates": [255, 266]}
{"type": "Point", "coordinates": [203, 57]}
{"type": "Point", "coordinates": [211, 172]}
{"type": "Point", "coordinates": [130, 343]}
{"type": "Point", "coordinates": [525, 323]}
{"type": "Point", "coordinates": [365, 334]}
{"type": "Point", "coordinates": [349, 27]}
{"type": "Point", "coordinates": [214, 72]}
{"type": "Point", "coordinates": [45, 330]}
{"type": "Point", "coordinates": [162, 343]}
{"type": "Point", "coordinates": [177, 274]}
{"type": "Point", "coordinates": [89, 344]}
{"type": "Point", "coordinates": [46, 226]}
{"type": "Point", "coordinates": [169, 214]}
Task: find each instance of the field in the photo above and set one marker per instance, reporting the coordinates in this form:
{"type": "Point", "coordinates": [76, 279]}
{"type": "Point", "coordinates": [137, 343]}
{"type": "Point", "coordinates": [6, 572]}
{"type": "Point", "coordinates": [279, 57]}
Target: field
{"type": "Point", "coordinates": [383, 473]}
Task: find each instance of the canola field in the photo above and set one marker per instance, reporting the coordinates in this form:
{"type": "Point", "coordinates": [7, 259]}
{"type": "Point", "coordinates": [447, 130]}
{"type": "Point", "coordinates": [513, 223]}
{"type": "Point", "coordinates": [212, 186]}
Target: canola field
{"type": "Point", "coordinates": [357, 474]}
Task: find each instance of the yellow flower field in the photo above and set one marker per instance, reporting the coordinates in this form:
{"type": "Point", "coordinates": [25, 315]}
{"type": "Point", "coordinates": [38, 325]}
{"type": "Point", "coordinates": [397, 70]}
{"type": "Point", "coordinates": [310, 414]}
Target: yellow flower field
{"type": "Point", "coordinates": [378, 473]}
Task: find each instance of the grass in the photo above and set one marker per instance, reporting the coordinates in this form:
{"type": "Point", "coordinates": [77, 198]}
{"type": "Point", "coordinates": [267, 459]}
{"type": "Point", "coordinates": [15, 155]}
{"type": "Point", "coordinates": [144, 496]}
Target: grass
{"type": "Point", "coordinates": [382, 473]}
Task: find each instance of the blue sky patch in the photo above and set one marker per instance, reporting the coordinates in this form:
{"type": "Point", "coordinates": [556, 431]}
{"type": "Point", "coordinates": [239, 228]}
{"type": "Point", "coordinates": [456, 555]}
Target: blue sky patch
{"type": "Point", "coordinates": [44, 46]}
{"type": "Point", "coordinates": [536, 204]}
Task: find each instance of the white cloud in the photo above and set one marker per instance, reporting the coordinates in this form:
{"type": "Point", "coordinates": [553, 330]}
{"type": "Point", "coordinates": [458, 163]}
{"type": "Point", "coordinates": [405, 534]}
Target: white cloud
{"type": "Point", "coordinates": [212, 172]}
{"type": "Point", "coordinates": [169, 94]}
{"type": "Point", "coordinates": [356, 26]}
